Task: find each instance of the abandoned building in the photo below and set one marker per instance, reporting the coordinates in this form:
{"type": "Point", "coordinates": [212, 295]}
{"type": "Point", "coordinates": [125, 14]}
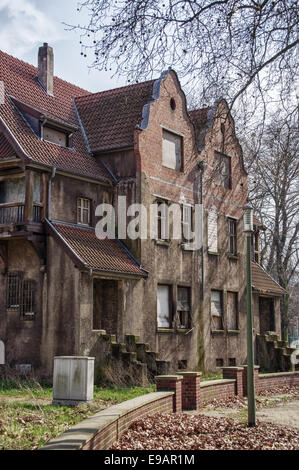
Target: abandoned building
{"type": "Point", "coordinates": [64, 291]}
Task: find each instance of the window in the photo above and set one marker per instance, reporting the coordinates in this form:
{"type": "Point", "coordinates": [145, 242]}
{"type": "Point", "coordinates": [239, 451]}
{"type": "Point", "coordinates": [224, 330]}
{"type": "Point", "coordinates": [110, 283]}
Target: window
{"type": "Point", "coordinates": [232, 232]}
{"type": "Point", "coordinates": [28, 299]}
{"type": "Point", "coordinates": [172, 151]}
{"type": "Point", "coordinates": [255, 252]}
{"type": "Point", "coordinates": [222, 168]}
{"type": "Point", "coordinates": [213, 231]}
{"type": "Point", "coordinates": [187, 224]}
{"type": "Point", "coordinates": [232, 311]}
{"type": "Point", "coordinates": [14, 289]}
{"type": "Point", "coordinates": [55, 136]}
{"type": "Point", "coordinates": [183, 306]}
{"type": "Point", "coordinates": [163, 306]}
{"type": "Point", "coordinates": [216, 310]}
{"type": "Point", "coordinates": [83, 211]}
{"type": "Point", "coordinates": [219, 362]}
{"type": "Point", "coordinates": [21, 295]}
{"type": "Point", "coordinates": [162, 221]}
{"type": "Point", "coordinates": [232, 361]}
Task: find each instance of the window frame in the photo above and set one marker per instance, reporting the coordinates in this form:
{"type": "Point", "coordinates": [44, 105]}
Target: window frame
{"type": "Point", "coordinates": [236, 306]}
{"type": "Point", "coordinates": [18, 295]}
{"type": "Point", "coordinates": [187, 311]}
{"type": "Point", "coordinates": [170, 313]}
{"type": "Point", "coordinates": [81, 209]}
{"type": "Point", "coordinates": [57, 129]}
{"type": "Point", "coordinates": [232, 236]}
{"type": "Point", "coordinates": [28, 315]}
{"type": "Point", "coordinates": [221, 315]}
{"type": "Point", "coordinates": [178, 163]}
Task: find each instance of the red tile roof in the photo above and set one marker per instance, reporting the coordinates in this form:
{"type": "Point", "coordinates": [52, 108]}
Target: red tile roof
{"type": "Point", "coordinates": [20, 82]}
{"type": "Point", "coordinates": [110, 117]}
{"type": "Point", "coordinates": [263, 282]}
{"type": "Point", "coordinates": [104, 255]}
{"type": "Point", "coordinates": [6, 150]}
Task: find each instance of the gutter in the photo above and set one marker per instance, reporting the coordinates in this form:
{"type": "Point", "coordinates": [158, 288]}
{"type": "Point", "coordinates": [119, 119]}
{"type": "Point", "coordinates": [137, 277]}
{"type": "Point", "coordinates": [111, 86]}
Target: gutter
{"type": "Point", "coordinates": [49, 192]}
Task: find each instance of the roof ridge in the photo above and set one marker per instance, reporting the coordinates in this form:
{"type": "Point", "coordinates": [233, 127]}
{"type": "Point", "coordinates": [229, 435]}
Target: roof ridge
{"type": "Point", "coordinates": [122, 88]}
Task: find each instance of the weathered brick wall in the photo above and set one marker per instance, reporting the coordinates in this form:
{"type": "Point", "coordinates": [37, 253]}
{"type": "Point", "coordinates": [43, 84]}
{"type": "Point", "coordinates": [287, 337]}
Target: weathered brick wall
{"type": "Point", "coordinates": [104, 428]}
{"type": "Point", "coordinates": [268, 381]}
{"type": "Point", "coordinates": [217, 389]}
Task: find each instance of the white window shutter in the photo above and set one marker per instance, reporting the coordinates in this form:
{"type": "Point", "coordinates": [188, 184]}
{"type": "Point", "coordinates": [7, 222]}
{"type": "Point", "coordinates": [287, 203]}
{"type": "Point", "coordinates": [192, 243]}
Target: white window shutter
{"type": "Point", "coordinates": [213, 231]}
{"type": "Point", "coordinates": [163, 307]}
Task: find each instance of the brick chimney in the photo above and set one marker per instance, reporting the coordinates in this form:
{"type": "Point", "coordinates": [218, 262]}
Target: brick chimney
{"type": "Point", "coordinates": [46, 68]}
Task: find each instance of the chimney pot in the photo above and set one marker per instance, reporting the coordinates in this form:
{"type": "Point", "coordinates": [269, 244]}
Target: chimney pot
{"type": "Point", "coordinates": [46, 68]}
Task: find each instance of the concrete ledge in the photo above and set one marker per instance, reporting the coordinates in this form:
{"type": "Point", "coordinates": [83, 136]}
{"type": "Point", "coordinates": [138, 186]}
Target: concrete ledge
{"type": "Point", "coordinates": [212, 383]}
{"type": "Point", "coordinates": [106, 423]}
{"type": "Point", "coordinates": [278, 374]}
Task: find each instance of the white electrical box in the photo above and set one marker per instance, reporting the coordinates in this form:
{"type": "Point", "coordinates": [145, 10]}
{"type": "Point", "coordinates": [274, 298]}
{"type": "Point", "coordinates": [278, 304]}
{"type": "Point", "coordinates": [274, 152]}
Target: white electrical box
{"type": "Point", "coordinates": [73, 379]}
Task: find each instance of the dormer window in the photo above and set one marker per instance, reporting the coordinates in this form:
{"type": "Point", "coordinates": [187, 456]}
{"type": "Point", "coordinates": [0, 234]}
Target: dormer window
{"type": "Point", "coordinates": [83, 211]}
{"type": "Point", "coordinates": [55, 136]}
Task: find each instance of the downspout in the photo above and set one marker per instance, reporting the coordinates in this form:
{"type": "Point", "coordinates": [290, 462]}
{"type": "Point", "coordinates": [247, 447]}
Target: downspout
{"type": "Point", "coordinates": [49, 192]}
{"type": "Point", "coordinates": [202, 166]}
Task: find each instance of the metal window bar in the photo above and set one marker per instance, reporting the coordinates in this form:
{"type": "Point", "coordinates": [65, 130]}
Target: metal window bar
{"type": "Point", "coordinates": [14, 288]}
{"type": "Point", "coordinates": [28, 300]}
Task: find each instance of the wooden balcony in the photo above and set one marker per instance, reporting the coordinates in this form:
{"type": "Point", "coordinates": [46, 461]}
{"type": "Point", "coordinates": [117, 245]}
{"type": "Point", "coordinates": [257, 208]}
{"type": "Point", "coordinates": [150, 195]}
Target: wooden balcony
{"type": "Point", "coordinates": [14, 213]}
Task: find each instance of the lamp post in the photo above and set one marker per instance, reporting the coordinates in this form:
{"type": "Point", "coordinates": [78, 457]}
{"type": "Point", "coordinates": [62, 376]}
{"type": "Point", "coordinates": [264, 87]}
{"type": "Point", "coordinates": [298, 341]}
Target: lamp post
{"type": "Point", "coordinates": [248, 229]}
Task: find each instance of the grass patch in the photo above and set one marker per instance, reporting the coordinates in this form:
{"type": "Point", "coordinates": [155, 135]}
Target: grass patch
{"type": "Point", "coordinates": [28, 419]}
{"type": "Point", "coordinates": [210, 376]}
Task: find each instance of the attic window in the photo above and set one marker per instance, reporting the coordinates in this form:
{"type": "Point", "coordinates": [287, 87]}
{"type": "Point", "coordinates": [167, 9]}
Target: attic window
{"type": "Point", "coordinates": [172, 104]}
{"type": "Point", "coordinates": [55, 136]}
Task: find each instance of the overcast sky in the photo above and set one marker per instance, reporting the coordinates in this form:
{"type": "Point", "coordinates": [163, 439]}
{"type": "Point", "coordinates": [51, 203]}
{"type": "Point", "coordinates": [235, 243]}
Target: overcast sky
{"type": "Point", "coordinates": [27, 24]}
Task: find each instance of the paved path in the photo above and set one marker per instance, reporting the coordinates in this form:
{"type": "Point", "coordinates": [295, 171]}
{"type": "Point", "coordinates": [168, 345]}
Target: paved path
{"type": "Point", "coordinates": [285, 413]}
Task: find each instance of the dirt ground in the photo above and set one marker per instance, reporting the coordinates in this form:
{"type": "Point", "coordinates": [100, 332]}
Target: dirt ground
{"type": "Point", "coordinates": [282, 410]}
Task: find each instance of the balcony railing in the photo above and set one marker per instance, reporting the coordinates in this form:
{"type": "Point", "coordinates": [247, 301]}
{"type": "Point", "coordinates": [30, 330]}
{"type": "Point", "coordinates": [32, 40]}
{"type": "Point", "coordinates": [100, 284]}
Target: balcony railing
{"type": "Point", "coordinates": [12, 213]}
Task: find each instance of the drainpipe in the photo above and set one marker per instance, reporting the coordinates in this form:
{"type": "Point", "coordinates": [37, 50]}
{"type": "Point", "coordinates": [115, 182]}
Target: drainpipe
{"type": "Point", "coordinates": [202, 166]}
{"type": "Point", "coordinates": [49, 192]}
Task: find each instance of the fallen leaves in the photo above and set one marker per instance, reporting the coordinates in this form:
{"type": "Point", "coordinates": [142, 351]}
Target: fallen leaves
{"type": "Point", "coordinates": [196, 432]}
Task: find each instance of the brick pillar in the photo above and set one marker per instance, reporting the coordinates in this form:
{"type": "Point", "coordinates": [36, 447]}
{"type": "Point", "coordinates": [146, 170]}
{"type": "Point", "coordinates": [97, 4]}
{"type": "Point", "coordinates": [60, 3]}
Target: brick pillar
{"type": "Point", "coordinates": [256, 379]}
{"type": "Point", "coordinates": [171, 383]}
{"type": "Point", "coordinates": [237, 374]}
{"type": "Point", "coordinates": [190, 390]}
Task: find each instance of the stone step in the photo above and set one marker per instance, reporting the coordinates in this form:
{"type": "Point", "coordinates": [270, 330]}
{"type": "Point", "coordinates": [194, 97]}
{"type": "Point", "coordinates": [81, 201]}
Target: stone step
{"type": "Point", "coordinates": [282, 344]}
{"type": "Point", "coordinates": [118, 348]}
{"type": "Point", "coordinates": [129, 356]}
{"type": "Point", "coordinates": [131, 339]}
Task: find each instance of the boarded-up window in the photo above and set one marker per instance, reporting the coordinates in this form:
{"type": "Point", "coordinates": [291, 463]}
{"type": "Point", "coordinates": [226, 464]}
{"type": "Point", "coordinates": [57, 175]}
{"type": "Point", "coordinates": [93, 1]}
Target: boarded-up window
{"type": "Point", "coordinates": [162, 220]}
{"type": "Point", "coordinates": [216, 310]}
{"type": "Point", "coordinates": [163, 307]}
{"type": "Point", "coordinates": [83, 211]}
{"type": "Point", "coordinates": [187, 222]}
{"type": "Point", "coordinates": [183, 306]}
{"type": "Point", "coordinates": [213, 231]}
{"type": "Point", "coordinates": [55, 136]}
{"type": "Point", "coordinates": [172, 151]}
{"type": "Point", "coordinates": [222, 167]}
{"type": "Point", "coordinates": [232, 311]}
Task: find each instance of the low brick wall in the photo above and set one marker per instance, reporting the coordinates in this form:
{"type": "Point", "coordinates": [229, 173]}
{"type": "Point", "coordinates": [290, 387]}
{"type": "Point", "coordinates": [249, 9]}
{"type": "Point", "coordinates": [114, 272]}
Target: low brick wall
{"type": "Point", "coordinates": [268, 381]}
{"type": "Point", "coordinates": [212, 389]}
{"type": "Point", "coordinates": [104, 428]}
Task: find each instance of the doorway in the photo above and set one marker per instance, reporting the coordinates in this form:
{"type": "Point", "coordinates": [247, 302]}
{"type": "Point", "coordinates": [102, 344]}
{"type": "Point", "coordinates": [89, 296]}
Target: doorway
{"type": "Point", "coordinates": [105, 305]}
{"type": "Point", "coordinates": [267, 314]}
